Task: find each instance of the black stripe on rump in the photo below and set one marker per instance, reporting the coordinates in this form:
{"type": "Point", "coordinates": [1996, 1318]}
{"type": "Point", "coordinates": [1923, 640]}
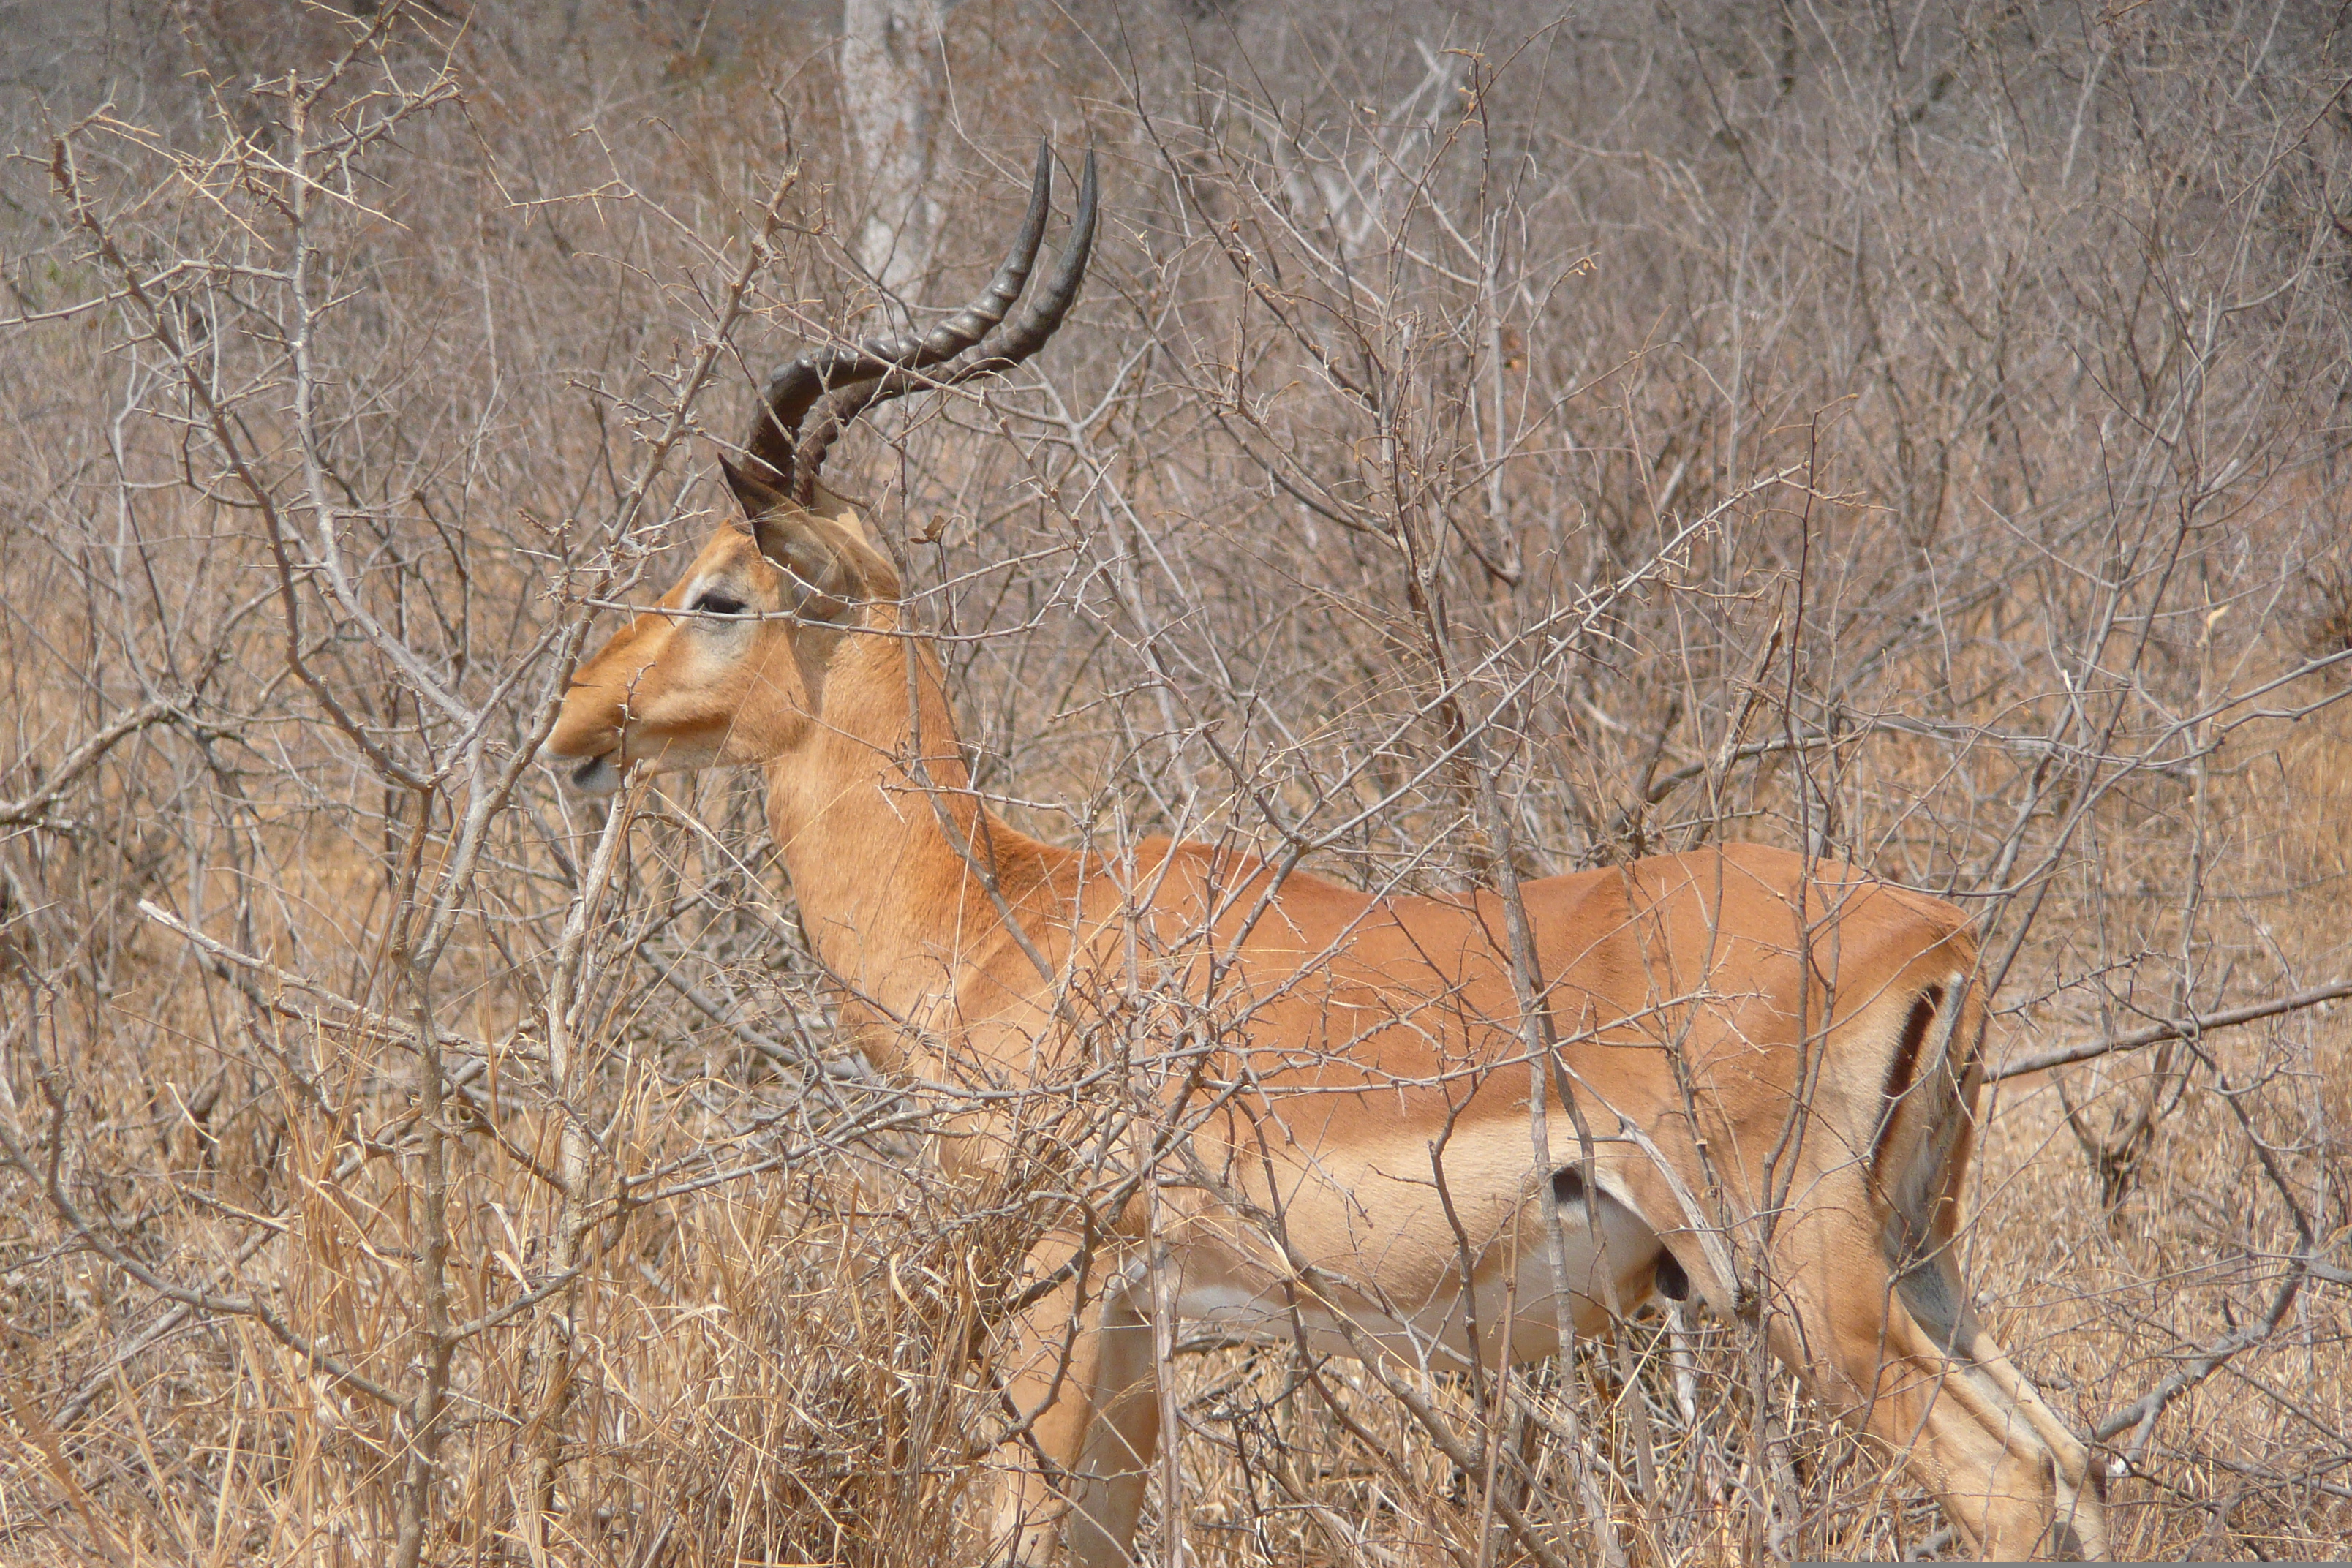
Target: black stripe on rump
{"type": "Point", "coordinates": [1905, 1063]}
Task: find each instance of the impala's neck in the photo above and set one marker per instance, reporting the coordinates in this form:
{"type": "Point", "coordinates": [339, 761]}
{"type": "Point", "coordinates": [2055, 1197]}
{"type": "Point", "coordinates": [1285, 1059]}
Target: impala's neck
{"type": "Point", "coordinates": [888, 850]}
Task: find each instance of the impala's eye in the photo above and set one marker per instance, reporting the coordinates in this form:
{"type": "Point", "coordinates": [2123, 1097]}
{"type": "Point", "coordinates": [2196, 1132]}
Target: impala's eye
{"type": "Point", "coordinates": [716, 602]}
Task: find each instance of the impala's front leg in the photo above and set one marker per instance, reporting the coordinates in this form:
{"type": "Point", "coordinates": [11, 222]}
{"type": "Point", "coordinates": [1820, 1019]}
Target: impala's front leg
{"type": "Point", "coordinates": [1078, 1369]}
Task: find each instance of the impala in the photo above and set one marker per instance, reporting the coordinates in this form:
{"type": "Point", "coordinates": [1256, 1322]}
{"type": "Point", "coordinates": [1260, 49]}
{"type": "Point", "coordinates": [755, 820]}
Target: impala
{"type": "Point", "coordinates": [1760, 1066]}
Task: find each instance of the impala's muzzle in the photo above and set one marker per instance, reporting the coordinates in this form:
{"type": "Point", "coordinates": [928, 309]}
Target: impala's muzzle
{"type": "Point", "coordinates": [596, 775]}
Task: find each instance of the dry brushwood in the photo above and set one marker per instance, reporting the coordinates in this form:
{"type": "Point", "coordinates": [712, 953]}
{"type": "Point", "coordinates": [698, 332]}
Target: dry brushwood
{"type": "Point", "coordinates": [1491, 445]}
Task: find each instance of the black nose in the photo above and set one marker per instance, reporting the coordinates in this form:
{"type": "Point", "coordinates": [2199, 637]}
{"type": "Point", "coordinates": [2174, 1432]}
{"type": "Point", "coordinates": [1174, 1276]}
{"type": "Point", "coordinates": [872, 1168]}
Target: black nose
{"type": "Point", "coordinates": [584, 775]}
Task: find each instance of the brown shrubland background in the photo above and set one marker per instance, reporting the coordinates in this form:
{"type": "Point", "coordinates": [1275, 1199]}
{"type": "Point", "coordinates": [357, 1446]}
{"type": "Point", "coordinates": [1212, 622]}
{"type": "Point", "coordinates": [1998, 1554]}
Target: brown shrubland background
{"type": "Point", "coordinates": [1918, 434]}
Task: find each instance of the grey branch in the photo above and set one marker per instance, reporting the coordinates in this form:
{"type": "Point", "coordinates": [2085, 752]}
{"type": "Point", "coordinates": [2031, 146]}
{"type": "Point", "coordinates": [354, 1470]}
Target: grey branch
{"type": "Point", "coordinates": [2174, 1029]}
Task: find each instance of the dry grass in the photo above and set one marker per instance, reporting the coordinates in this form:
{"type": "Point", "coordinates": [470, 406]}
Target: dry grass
{"type": "Point", "coordinates": [2005, 350]}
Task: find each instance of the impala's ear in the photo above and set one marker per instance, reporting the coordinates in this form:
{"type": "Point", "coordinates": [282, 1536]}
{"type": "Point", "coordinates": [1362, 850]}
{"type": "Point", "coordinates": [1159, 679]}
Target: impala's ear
{"type": "Point", "coordinates": [755, 496]}
{"type": "Point", "coordinates": [850, 514]}
{"type": "Point", "coordinates": [821, 574]}
{"type": "Point", "coordinates": [818, 570]}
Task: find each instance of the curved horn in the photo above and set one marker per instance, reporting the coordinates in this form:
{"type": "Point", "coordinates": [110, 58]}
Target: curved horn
{"type": "Point", "coordinates": [1000, 352]}
{"type": "Point", "coordinates": [1042, 315]}
{"type": "Point", "coordinates": [794, 387]}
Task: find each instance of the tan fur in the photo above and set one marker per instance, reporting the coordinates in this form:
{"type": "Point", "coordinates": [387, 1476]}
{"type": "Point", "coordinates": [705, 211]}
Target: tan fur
{"type": "Point", "coordinates": [1354, 1028]}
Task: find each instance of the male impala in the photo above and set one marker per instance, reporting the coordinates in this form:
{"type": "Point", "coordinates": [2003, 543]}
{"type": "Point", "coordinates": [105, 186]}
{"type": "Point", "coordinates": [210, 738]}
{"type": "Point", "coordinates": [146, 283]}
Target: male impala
{"type": "Point", "coordinates": [1342, 1130]}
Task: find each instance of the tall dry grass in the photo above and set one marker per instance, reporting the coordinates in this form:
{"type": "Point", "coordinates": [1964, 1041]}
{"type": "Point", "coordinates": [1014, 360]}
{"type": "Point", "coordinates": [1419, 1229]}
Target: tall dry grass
{"type": "Point", "coordinates": [403, 1159]}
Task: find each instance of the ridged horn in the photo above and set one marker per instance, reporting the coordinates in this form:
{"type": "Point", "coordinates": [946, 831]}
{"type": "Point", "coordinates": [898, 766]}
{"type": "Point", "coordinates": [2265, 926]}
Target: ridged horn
{"type": "Point", "coordinates": [999, 351]}
{"type": "Point", "coordinates": [794, 388]}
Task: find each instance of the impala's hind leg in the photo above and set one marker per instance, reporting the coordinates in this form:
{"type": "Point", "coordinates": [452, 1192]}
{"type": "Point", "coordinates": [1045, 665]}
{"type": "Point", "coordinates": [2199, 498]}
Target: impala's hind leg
{"type": "Point", "coordinates": [1079, 1373]}
{"type": "Point", "coordinates": [1937, 1300]}
{"type": "Point", "coordinates": [1903, 1359]}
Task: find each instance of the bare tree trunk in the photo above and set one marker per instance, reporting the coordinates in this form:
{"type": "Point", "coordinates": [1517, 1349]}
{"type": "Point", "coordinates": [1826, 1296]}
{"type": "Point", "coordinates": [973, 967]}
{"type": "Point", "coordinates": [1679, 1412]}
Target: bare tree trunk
{"type": "Point", "coordinates": [890, 82]}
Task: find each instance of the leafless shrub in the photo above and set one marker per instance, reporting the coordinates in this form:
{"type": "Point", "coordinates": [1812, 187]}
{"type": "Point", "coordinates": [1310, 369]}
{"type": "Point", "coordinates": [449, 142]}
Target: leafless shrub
{"type": "Point", "coordinates": [1510, 444]}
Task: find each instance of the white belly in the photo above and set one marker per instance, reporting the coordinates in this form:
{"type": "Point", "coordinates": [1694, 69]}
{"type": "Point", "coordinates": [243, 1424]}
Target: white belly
{"type": "Point", "coordinates": [1408, 1301]}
